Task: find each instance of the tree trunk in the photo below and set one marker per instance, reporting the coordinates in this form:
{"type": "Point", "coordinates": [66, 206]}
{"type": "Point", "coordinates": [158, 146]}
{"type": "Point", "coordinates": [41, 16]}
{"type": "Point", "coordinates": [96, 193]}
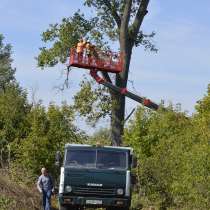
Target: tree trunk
{"type": "Point", "coordinates": [117, 118]}
{"type": "Point", "coordinates": [127, 38]}
{"type": "Point", "coordinates": [118, 100]}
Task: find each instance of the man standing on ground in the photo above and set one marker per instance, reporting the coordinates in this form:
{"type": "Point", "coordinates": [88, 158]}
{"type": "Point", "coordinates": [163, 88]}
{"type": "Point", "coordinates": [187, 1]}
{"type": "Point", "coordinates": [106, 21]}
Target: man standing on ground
{"type": "Point", "coordinates": [45, 186]}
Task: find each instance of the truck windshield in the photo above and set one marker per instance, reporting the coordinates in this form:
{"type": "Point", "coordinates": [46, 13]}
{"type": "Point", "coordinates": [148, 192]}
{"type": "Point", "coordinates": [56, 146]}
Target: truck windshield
{"type": "Point", "coordinates": [111, 160]}
{"type": "Point", "coordinates": [101, 159]}
{"type": "Point", "coordinates": [81, 158]}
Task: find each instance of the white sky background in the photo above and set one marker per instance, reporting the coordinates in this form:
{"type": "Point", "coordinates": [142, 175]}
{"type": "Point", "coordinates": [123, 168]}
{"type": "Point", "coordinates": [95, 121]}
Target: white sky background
{"type": "Point", "coordinates": [179, 72]}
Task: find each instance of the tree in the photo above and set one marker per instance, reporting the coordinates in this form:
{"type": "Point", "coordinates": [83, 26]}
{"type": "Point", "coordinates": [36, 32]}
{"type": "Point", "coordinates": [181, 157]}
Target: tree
{"type": "Point", "coordinates": [13, 104]}
{"type": "Point", "coordinates": [173, 156]}
{"type": "Point", "coordinates": [101, 136]}
{"type": "Point", "coordinates": [6, 70]}
{"type": "Point", "coordinates": [202, 117]}
{"type": "Point", "coordinates": [13, 110]}
{"type": "Point", "coordinates": [49, 131]}
{"type": "Point", "coordinates": [115, 20]}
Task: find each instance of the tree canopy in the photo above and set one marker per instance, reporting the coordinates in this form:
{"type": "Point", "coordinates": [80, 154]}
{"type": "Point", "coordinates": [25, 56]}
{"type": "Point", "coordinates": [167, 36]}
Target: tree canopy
{"type": "Point", "coordinates": [113, 21]}
{"type": "Point", "coordinates": [30, 134]}
{"type": "Point", "coordinates": [172, 148]}
{"type": "Point", "coordinates": [174, 155]}
{"type": "Point", "coordinates": [6, 70]}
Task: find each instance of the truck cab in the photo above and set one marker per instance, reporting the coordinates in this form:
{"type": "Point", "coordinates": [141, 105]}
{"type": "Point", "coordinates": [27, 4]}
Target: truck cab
{"type": "Point", "coordinates": [96, 177]}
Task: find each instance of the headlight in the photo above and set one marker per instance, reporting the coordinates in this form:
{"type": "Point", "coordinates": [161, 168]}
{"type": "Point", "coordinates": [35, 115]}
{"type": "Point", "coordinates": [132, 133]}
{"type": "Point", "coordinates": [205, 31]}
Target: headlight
{"type": "Point", "coordinates": [120, 191]}
{"type": "Point", "coordinates": [68, 188]}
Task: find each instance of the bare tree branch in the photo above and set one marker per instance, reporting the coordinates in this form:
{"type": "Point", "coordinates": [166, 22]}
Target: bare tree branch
{"type": "Point", "coordinates": [113, 12]}
{"type": "Point", "coordinates": [142, 11]}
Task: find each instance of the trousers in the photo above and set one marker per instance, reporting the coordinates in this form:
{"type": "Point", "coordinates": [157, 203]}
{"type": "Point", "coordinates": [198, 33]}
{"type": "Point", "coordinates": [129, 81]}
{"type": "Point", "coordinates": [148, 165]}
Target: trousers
{"type": "Point", "coordinates": [46, 199]}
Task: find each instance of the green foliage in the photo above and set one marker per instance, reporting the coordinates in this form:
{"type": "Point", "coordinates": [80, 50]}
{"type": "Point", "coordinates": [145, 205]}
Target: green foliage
{"type": "Point", "coordinates": [173, 157]}
{"type": "Point", "coordinates": [92, 103]}
{"type": "Point", "coordinates": [99, 30]}
{"type": "Point", "coordinates": [106, 12]}
{"type": "Point", "coordinates": [50, 131]}
{"type": "Point", "coordinates": [106, 23]}
{"type": "Point", "coordinates": [102, 30]}
{"type": "Point", "coordinates": [13, 109]}
{"type": "Point", "coordinates": [63, 36]}
{"type": "Point", "coordinates": [6, 70]}
{"type": "Point", "coordinates": [202, 117]}
{"type": "Point", "coordinates": [13, 104]}
{"type": "Point", "coordinates": [101, 136]}
{"type": "Point", "coordinates": [172, 149]}
{"type": "Point", "coordinates": [5, 202]}
{"type": "Point", "coordinates": [17, 196]}
{"type": "Point", "coordinates": [30, 135]}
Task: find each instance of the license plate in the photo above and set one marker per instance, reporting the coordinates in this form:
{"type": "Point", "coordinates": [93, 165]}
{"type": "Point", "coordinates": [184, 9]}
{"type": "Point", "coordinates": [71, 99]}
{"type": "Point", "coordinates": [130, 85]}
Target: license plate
{"type": "Point", "coordinates": [94, 202]}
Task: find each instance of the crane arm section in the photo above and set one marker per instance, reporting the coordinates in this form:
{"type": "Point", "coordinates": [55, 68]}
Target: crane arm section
{"type": "Point", "coordinates": [144, 101]}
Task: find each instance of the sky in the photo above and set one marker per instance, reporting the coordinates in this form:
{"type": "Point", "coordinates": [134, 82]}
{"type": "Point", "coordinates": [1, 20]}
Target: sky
{"type": "Point", "coordinates": [178, 73]}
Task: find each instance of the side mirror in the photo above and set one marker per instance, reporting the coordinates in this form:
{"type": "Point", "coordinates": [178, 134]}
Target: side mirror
{"type": "Point", "coordinates": [134, 162]}
{"type": "Point", "coordinates": [58, 158]}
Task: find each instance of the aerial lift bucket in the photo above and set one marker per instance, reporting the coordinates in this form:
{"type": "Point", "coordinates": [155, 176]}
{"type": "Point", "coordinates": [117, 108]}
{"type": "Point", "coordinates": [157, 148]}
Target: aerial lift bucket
{"type": "Point", "coordinates": [105, 61]}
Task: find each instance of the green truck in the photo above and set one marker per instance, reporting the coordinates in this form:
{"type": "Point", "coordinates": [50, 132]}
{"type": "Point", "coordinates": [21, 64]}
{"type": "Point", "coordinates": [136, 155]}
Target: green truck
{"type": "Point", "coordinates": [96, 177]}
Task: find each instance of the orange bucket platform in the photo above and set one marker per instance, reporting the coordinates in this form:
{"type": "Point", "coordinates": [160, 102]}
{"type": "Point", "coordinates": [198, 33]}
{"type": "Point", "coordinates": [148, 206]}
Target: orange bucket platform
{"type": "Point", "coordinates": [101, 60]}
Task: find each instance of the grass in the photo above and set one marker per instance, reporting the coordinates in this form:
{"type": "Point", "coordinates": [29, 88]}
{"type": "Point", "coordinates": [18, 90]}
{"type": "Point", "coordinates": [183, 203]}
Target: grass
{"type": "Point", "coordinates": [17, 196]}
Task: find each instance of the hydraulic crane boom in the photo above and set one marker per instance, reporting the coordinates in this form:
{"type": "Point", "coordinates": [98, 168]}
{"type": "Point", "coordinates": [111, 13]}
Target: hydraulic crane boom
{"type": "Point", "coordinates": [108, 62]}
{"type": "Point", "coordinates": [146, 102]}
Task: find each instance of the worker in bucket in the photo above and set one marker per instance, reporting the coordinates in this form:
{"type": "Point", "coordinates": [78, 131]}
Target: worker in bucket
{"type": "Point", "coordinates": [45, 187]}
{"type": "Point", "coordinates": [80, 49]}
{"type": "Point", "coordinates": [89, 51]}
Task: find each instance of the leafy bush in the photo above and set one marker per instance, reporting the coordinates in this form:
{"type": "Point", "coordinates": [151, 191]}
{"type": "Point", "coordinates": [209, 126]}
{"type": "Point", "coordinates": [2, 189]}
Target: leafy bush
{"type": "Point", "coordinates": [49, 131]}
{"type": "Point", "coordinates": [173, 156]}
{"type": "Point", "coordinates": [16, 196]}
{"type": "Point", "coordinates": [6, 203]}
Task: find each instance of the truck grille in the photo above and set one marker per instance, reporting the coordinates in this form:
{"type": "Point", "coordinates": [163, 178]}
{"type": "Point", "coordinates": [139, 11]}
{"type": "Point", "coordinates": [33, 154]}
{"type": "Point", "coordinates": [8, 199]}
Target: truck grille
{"type": "Point", "coordinates": [93, 191]}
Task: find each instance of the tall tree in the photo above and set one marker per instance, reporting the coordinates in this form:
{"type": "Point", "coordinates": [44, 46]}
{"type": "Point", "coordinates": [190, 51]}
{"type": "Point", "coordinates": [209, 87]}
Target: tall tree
{"type": "Point", "coordinates": [174, 157]}
{"type": "Point", "coordinates": [6, 70]}
{"type": "Point", "coordinates": [50, 130]}
{"type": "Point", "coordinates": [115, 20]}
{"type": "Point", "coordinates": [13, 104]}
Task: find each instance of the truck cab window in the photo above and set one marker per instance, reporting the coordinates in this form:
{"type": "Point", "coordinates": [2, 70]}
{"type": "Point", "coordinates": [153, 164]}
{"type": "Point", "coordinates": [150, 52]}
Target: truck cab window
{"type": "Point", "coordinates": [81, 158]}
{"type": "Point", "coordinates": [111, 160]}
